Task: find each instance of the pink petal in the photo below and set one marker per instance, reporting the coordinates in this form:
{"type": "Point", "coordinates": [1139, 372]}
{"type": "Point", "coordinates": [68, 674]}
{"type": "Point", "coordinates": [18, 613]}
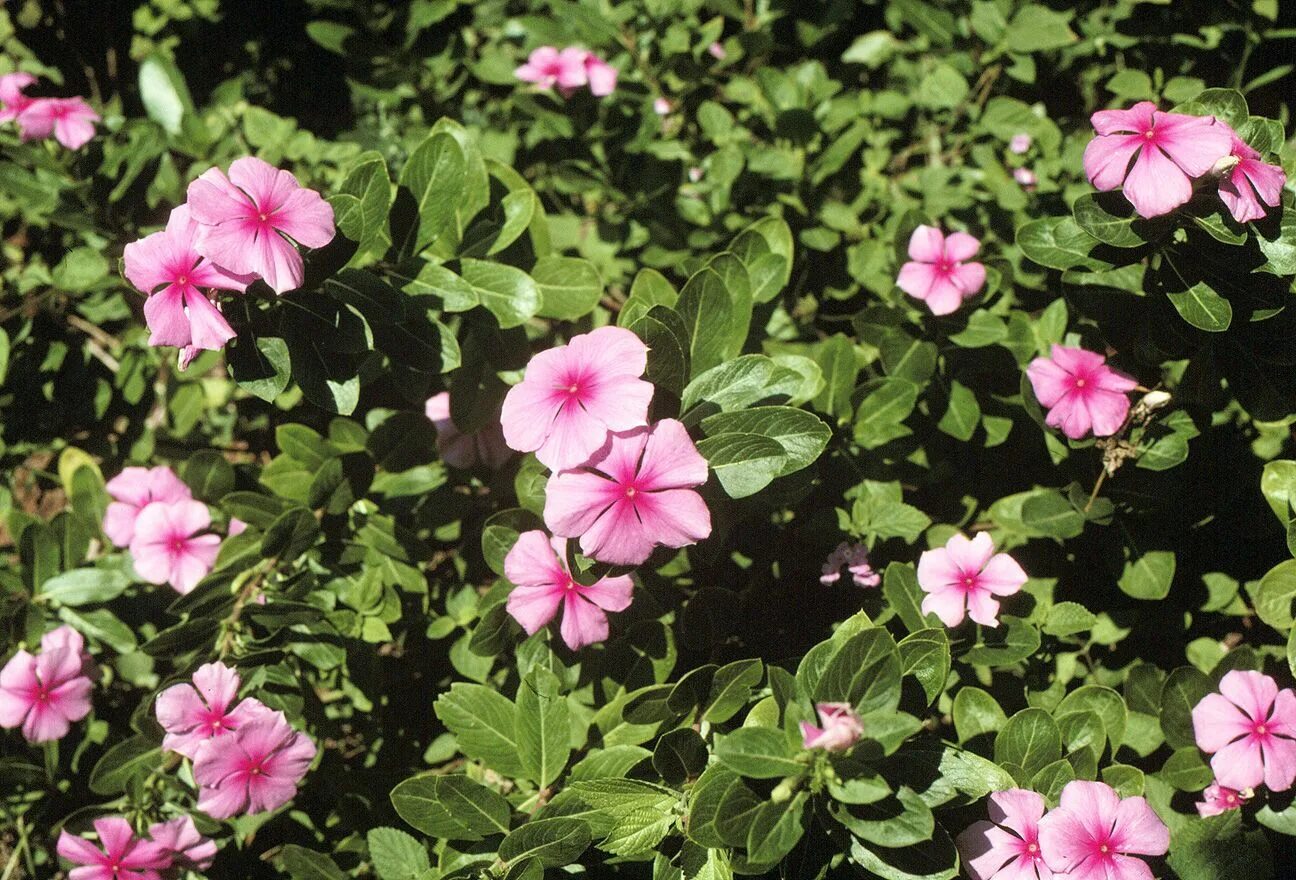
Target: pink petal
{"type": "Point", "coordinates": [917, 279]}
{"type": "Point", "coordinates": [119, 523]}
{"type": "Point", "coordinates": [1049, 381]}
{"type": "Point", "coordinates": [618, 536]}
{"type": "Point", "coordinates": [984, 847]}
{"type": "Point", "coordinates": [1107, 411]}
{"type": "Point", "coordinates": [195, 563]}
{"type": "Point", "coordinates": [529, 410]}
{"type": "Point", "coordinates": [1125, 868]}
{"type": "Point", "coordinates": [277, 261]}
{"type": "Point", "coordinates": [213, 200]}
{"type": "Point", "coordinates": [228, 800]}
{"type": "Point", "coordinates": [165, 315]}
{"type": "Point", "coordinates": [959, 246]}
{"type": "Point", "coordinates": [608, 351]}
{"type": "Point", "coordinates": [1194, 143]}
{"type": "Point", "coordinates": [673, 517]}
{"type": "Point", "coordinates": [1002, 575]}
{"type": "Point", "coordinates": [1135, 119]}
{"type": "Point", "coordinates": [1156, 185]}
{"type": "Point", "coordinates": [1017, 809]}
{"type": "Point", "coordinates": [610, 593]}
{"type": "Point", "coordinates": [306, 217]}
{"type": "Point", "coordinates": [1137, 829]}
{"type": "Point", "coordinates": [146, 262]}
{"type": "Point", "coordinates": [670, 460]}
{"type": "Point", "coordinates": [1282, 718]}
{"type": "Point", "coordinates": [534, 606]}
{"type": "Point", "coordinates": [1268, 180]}
{"type": "Point", "coordinates": [1240, 198]}
{"type": "Point", "coordinates": [1252, 692]}
{"type": "Point", "coordinates": [266, 793]}
{"type": "Point", "coordinates": [74, 132]}
{"type": "Point", "coordinates": [945, 296]}
{"type": "Point", "coordinates": [927, 245]}
{"type": "Point", "coordinates": [532, 562]}
{"type": "Point", "coordinates": [574, 500]}
{"type": "Point", "coordinates": [619, 403]}
{"type": "Point", "coordinates": [949, 605]}
{"type": "Point", "coordinates": [1070, 416]}
{"type": "Point", "coordinates": [583, 623]}
{"type": "Point", "coordinates": [1280, 763]}
{"type": "Point", "coordinates": [179, 708]}
{"type": "Point", "coordinates": [574, 436]}
{"type": "Point", "coordinates": [970, 556]}
{"type": "Point", "coordinates": [1107, 159]}
{"type": "Point", "coordinates": [970, 277]}
{"type": "Point", "coordinates": [208, 326]}
{"type": "Point", "coordinates": [937, 571]}
{"type": "Point", "coordinates": [44, 724]}
{"type": "Point", "coordinates": [1240, 764]}
{"type": "Point", "coordinates": [218, 685]}
{"type": "Point", "coordinates": [78, 850]}
{"type": "Point", "coordinates": [983, 608]}
{"type": "Point", "coordinates": [1077, 361]}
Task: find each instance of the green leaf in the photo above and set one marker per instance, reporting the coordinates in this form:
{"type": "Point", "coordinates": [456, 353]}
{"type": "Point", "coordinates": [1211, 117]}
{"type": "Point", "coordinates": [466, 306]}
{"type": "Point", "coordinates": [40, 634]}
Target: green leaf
{"type": "Point", "coordinates": [1202, 307]}
{"type": "Point", "coordinates": [975, 713]}
{"type": "Point", "coordinates": [925, 655]}
{"type": "Point", "coordinates": [307, 864]}
{"type": "Point", "coordinates": [1011, 642]}
{"type": "Point", "coordinates": [650, 288]}
{"type": "Point", "coordinates": [900, 586]}
{"type": "Point", "coordinates": [758, 753]}
{"type": "Point", "coordinates": [1030, 739]}
{"type": "Point", "coordinates": [164, 93]}
{"type": "Point", "coordinates": [261, 365]}
{"type": "Point", "coordinates": [1183, 690]}
{"type": "Point", "coordinates": [508, 293]}
{"type": "Point", "coordinates": [1149, 576]}
{"type": "Point", "coordinates": [802, 435]}
{"type": "Point", "coordinates": [731, 689]}
{"type": "Point", "coordinates": [663, 331]}
{"type": "Point", "coordinates": [1273, 598]}
{"type": "Point", "coordinates": [1058, 243]}
{"type": "Point", "coordinates": [433, 179]}
{"type": "Point", "coordinates": [737, 384]}
{"type": "Point", "coordinates": [368, 225]}
{"type": "Point", "coordinates": [485, 724]}
{"type": "Point", "coordinates": [1117, 230]}
{"type": "Point", "coordinates": [864, 671]}
{"type": "Point", "coordinates": [543, 727]}
{"type": "Point", "coordinates": [743, 463]}
{"type": "Point", "coordinates": [81, 586]}
{"type": "Point", "coordinates": [451, 806]}
{"type": "Point", "coordinates": [638, 815]}
{"type": "Point", "coordinates": [397, 855]}
{"type": "Point", "coordinates": [710, 315]}
{"type": "Point", "coordinates": [1038, 29]}
{"type": "Point", "coordinates": [123, 762]}
{"type": "Point", "coordinates": [554, 842]}
{"type": "Point", "coordinates": [963, 413]}
{"type": "Point", "coordinates": [570, 288]}
{"type": "Point", "coordinates": [776, 828]}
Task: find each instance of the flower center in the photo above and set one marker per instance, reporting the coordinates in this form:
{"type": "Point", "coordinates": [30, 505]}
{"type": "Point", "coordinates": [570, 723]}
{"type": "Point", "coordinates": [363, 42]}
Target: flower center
{"type": "Point", "coordinates": [1080, 383]}
{"type": "Point", "coordinates": [1149, 135]}
{"type": "Point", "coordinates": [176, 545]}
{"type": "Point", "coordinates": [183, 280]}
{"type": "Point", "coordinates": [1032, 848]}
{"type": "Point", "coordinates": [1104, 849]}
{"type": "Point", "coordinates": [262, 216]}
{"type": "Point", "coordinates": [969, 581]}
{"type": "Point", "coordinates": [1261, 729]}
{"type": "Point", "coordinates": [945, 267]}
{"type": "Point", "coordinates": [630, 491]}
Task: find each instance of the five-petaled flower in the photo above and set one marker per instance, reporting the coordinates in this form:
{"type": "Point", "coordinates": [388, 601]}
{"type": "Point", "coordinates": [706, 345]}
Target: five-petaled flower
{"type": "Point", "coordinates": [70, 120]}
{"type": "Point", "coordinates": [12, 98]}
{"type": "Point", "coordinates": [549, 68]}
{"type": "Point", "coordinates": [134, 489]}
{"type": "Point", "coordinates": [1094, 834]}
{"type": "Point", "coordinates": [1081, 392]}
{"type": "Point", "coordinates": [537, 567]}
{"type": "Point", "coordinates": [964, 577]}
{"type": "Point", "coordinates": [1007, 847]}
{"type": "Point", "coordinates": [193, 713]}
{"type": "Point", "coordinates": [1165, 149]}
{"type": "Point", "coordinates": [171, 544]}
{"type": "Point", "coordinates": [246, 221]}
{"type": "Point", "coordinates": [123, 857]}
{"type": "Point", "coordinates": [573, 395]}
{"type": "Point", "coordinates": [939, 271]}
{"type": "Point", "coordinates": [839, 728]}
{"type": "Point", "coordinates": [184, 844]}
{"type": "Point", "coordinates": [634, 494]}
{"type": "Point", "coordinates": [1218, 799]}
{"type": "Point", "coordinates": [45, 693]}
{"type": "Point", "coordinates": [1250, 729]}
{"type": "Point", "coordinates": [1251, 186]}
{"type": "Point", "coordinates": [253, 769]}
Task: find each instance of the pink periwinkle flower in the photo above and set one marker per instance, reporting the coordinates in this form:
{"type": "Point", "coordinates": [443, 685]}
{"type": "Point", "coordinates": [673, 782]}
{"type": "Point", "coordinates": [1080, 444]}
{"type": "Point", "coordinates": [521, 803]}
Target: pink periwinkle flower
{"type": "Point", "coordinates": [12, 99]}
{"type": "Point", "coordinates": [46, 692]}
{"type": "Point", "coordinates": [168, 269]}
{"type": "Point", "coordinates": [573, 395]}
{"type": "Point", "coordinates": [134, 489]}
{"type": "Point", "coordinates": [1007, 847]}
{"type": "Point", "coordinates": [70, 120]}
{"type": "Point", "coordinates": [550, 68]}
{"type": "Point", "coordinates": [249, 221]}
{"type": "Point", "coordinates": [1166, 149]}
{"type": "Point", "coordinates": [1252, 186]}
{"type": "Point", "coordinates": [717, 51]}
{"type": "Point", "coordinates": [854, 558]}
{"type": "Point", "coordinates": [839, 728]}
{"type": "Point", "coordinates": [1094, 834]}
{"type": "Point", "coordinates": [191, 714]}
{"type": "Point", "coordinates": [938, 271]}
{"type": "Point", "coordinates": [1250, 729]}
{"type": "Point", "coordinates": [602, 76]}
{"type": "Point", "coordinates": [170, 544]}
{"type": "Point", "coordinates": [123, 857]}
{"type": "Point", "coordinates": [457, 449]}
{"type": "Point", "coordinates": [963, 577]}
{"type": "Point", "coordinates": [253, 769]}
{"type": "Point", "coordinates": [184, 844]}
{"type": "Point", "coordinates": [636, 493]}
{"type": "Point", "coordinates": [1217, 799]}
{"type": "Point", "coordinates": [537, 567]}
{"type": "Point", "coordinates": [1025, 177]}
{"type": "Point", "coordinates": [1020, 143]}
{"type": "Point", "coordinates": [1081, 392]}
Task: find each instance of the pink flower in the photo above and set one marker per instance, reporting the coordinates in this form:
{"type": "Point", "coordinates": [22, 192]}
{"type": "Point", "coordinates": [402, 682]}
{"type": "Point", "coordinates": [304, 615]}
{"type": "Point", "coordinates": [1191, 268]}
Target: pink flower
{"type": "Point", "coordinates": [538, 569]}
{"type": "Point", "coordinates": [1095, 835]}
{"type": "Point", "coordinates": [236, 527]}
{"type": "Point", "coordinates": [1251, 185]}
{"type": "Point", "coordinates": [465, 450]}
{"type": "Point", "coordinates": [1250, 728]}
{"type": "Point", "coordinates": [937, 271]}
{"type": "Point", "coordinates": [167, 548]}
{"type": "Point", "coordinates": [123, 857]}
{"type": "Point", "coordinates": [65, 638]}
{"type": "Point", "coordinates": [253, 769]}
{"type": "Point", "coordinates": [1025, 177]}
{"type": "Point", "coordinates": [841, 728]}
{"type": "Point", "coordinates": [191, 714]}
{"type": "Point", "coordinates": [1020, 143]}
{"type": "Point", "coordinates": [12, 99]}
{"type": "Point", "coordinates": [1081, 392]}
{"type": "Point", "coordinates": [183, 843]}
{"type": "Point", "coordinates": [549, 68]}
{"type": "Point", "coordinates": [134, 489]}
{"type": "Point", "coordinates": [168, 269]}
{"type": "Point", "coordinates": [964, 577]}
{"type": "Point", "coordinates": [717, 51]}
{"type": "Point", "coordinates": [247, 220]}
{"type": "Point", "coordinates": [854, 558]}
{"type": "Point", "coordinates": [602, 76]}
{"type": "Point", "coordinates": [661, 106]}
{"type": "Point", "coordinates": [70, 120]}
{"type": "Point", "coordinates": [1167, 149]}
{"type": "Point", "coordinates": [1007, 847]}
{"type": "Point", "coordinates": [1218, 799]}
{"type": "Point", "coordinates": [573, 395]}
{"type": "Point", "coordinates": [45, 693]}
{"type": "Point", "coordinates": [634, 494]}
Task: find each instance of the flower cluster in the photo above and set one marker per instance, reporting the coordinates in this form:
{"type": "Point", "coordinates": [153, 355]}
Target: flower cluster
{"type": "Point", "coordinates": [246, 757]}
{"type": "Point", "coordinates": [45, 693]}
{"type": "Point", "coordinates": [1156, 158]}
{"type": "Point", "coordinates": [568, 70]}
{"type": "Point", "coordinates": [172, 846]}
{"type": "Point", "coordinates": [854, 558]}
{"type": "Point", "coordinates": [71, 121]}
{"type": "Point", "coordinates": [232, 231]}
{"type": "Point", "coordinates": [1093, 833]}
{"type": "Point", "coordinates": [155, 515]}
{"type": "Point", "coordinates": [1249, 729]}
{"type": "Point", "coordinates": [963, 577]}
{"type": "Point", "coordinates": [619, 484]}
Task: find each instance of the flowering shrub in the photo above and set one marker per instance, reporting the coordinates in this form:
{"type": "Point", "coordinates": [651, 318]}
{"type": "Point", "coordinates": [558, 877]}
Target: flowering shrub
{"type": "Point", "coordinates": [677, 439]}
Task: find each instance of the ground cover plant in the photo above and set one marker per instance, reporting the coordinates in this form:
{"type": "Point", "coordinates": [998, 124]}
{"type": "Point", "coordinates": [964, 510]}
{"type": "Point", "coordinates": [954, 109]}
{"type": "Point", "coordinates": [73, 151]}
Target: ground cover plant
{"type": "Point", "coordinates": [671, 439]}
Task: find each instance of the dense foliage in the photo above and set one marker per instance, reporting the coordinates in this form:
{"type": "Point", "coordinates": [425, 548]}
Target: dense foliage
{"type": "Point", "coordinates": [924, 448]}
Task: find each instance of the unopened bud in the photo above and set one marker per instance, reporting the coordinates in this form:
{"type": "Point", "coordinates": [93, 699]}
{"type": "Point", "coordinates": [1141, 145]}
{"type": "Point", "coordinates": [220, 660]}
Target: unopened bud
{"type": "Point", "coordinates": [1225, 165]}
{"type": "Point", "coordinates": [1155, 400]}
